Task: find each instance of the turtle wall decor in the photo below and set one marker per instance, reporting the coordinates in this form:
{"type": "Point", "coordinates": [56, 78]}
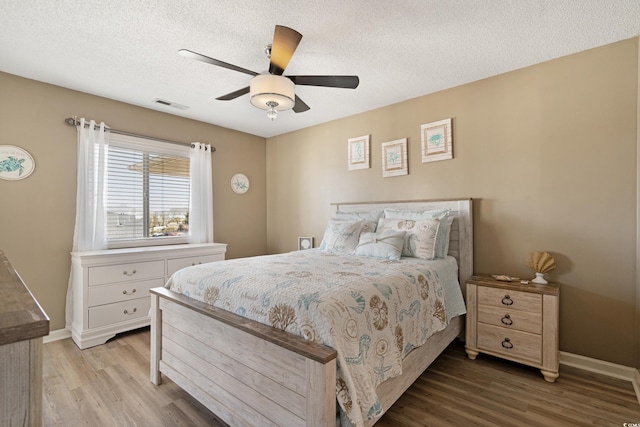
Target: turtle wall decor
{"type": "Point", "coordinates": [15, 163]}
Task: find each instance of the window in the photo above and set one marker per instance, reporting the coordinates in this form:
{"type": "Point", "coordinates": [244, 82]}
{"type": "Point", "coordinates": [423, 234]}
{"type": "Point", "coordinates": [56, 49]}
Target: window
{"type": "Point", "coordinates": [147, 200]}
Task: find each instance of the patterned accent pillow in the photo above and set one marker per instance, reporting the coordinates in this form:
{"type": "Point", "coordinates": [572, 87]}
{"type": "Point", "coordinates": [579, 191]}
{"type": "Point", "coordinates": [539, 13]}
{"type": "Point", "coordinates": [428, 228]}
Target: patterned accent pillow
{"type": "Point", "coordinates": [442, 238]}
{"type": "Point", "coordinates": [370, 219]}
{"type": "Point", "coordinates": [420, 240]}
{"type": "Point", "coordinates": [341, 236]}
{"type": "Point", "coordinates": [387, 245]}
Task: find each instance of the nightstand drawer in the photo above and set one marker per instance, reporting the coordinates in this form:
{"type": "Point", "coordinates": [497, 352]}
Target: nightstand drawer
{"type": "Point", "coordinates": [106, 294]}
{"type": "Point", "coordinates": [176, 264]}
{"type": "Point", "coordinates": [118, 312]}
{"type": "Point", "coordinates": [510, 343]}
{"type": "Point", "coordinates": [511, 319]}
{"type": "Point", "coordinates": [125, 272]}
{"type": "Point", "coordinates": [513, 300]}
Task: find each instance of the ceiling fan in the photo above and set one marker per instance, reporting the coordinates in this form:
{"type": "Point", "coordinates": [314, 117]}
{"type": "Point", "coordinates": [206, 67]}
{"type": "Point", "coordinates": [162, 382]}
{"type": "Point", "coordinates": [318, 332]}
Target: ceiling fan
{"type": "Point", "coordinates": [272, 91]}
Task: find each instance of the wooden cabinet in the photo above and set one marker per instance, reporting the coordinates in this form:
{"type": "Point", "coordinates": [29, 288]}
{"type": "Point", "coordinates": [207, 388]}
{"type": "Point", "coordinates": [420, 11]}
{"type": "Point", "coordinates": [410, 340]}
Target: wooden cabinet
{"type": "Point", "coordinates": [111, 287]}
{"type": "Point", "coordinates": [23, 323]}
{"type": "Point", "coordinates": [514, 321]}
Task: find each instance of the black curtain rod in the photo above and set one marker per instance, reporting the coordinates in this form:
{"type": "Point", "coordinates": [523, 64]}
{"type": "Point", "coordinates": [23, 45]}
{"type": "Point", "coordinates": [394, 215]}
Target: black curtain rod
{"type": "Point", "coordinates": [73, 122]}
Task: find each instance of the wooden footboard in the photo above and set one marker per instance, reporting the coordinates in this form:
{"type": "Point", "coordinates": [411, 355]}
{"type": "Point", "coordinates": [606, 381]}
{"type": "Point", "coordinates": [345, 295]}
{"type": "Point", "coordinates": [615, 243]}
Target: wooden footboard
{"type": "Point", "coordinates": [245, 372]}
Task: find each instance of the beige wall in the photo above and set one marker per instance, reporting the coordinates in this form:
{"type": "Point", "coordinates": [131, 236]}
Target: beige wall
{"type": "Point", "coordinates": [637, 335]}
{"type": "Point", "coordinates": [548, 153]}
{"type": "Point", "coordinates": [37, 214]}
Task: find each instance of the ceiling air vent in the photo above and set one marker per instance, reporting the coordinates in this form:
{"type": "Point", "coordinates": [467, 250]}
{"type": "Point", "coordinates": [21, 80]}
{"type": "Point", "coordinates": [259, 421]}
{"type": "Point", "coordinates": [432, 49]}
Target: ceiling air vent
{"type": "Point", "coordinates": [170, 104]}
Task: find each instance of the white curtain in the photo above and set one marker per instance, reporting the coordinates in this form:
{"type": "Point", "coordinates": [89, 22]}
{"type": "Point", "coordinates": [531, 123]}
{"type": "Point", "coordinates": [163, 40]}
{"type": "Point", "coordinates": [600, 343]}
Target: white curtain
{"type": "Point", "coordinates": [201, 194]}
{"type": "Point", "coordinates": [90, 229]}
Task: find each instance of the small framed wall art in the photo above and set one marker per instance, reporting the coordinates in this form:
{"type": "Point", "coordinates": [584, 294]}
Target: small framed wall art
{"type": "Point", "coordinates": [437, 143]}
{"type": "Point", "coordinates": [358, 155]}
{"type": "Point", "coordinates": [305, 243]}
{"type": "Point", "coordinates": [15, 163]}
{"type": "Point", "coordinates": [394, 158]}
{"type": "Point", "coordinates": [239, 183]}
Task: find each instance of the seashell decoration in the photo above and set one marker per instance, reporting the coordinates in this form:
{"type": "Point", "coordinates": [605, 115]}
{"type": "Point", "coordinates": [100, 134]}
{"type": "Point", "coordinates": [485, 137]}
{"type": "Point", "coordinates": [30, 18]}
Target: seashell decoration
{"type": "Point", "coordinates": [540, 262]}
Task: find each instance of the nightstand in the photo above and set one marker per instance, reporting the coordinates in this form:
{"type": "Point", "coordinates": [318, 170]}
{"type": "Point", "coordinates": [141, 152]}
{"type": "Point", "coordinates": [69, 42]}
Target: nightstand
{"type": "Point", "coordinates": [514, 321]}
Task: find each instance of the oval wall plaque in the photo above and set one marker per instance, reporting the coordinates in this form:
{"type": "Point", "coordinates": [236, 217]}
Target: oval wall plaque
{"type": "Point", "coordinates": [15, 163]}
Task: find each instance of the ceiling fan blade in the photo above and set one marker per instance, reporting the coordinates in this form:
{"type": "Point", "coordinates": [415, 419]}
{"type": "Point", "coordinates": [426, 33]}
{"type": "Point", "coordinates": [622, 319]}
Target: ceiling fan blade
{"type": "Point", "coordinates": [285, 42]}
{"type": "Point", "coordinates": [300, 106]}
{"type": "Point", "coordinates": [193, 55]}
{"type": "Point", "coordinates": [346, 82]}
{"type": "Point", "coordinates": [233, 95]}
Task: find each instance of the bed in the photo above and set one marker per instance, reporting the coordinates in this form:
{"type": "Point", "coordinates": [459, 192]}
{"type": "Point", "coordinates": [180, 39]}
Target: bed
{"type": "Point", "coordinates": [250, 373]}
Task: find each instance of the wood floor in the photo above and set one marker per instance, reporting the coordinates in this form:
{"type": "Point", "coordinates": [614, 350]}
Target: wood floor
{"type": "Point", "coordinates": [108, 385]}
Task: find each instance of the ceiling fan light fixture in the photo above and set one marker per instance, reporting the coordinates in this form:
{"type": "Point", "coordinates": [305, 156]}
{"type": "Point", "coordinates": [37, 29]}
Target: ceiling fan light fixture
{"type": "Point", "coordinates": [272, 113]}
{"type": "Point", "coordinates": [272, 93]}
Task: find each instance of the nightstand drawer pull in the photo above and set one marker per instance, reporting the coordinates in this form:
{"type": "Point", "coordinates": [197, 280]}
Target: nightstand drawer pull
{"type": "Point", "coordinates": [507, 344]}
{"type": "Point", "coordinates": [135, 309]}
{"type": "Point", "coordinates": [129, 274]}
{"type": "Point", "coordinates": [124, 292]}
{"type": "Point", "coordinates": [507, 300]}
{"type": "Point", "coordinates": [195, 263]}
{"type": "Point", "coordinates": [506, 320]}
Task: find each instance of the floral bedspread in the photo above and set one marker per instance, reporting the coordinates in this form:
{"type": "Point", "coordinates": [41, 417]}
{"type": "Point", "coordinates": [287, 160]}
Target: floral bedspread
{"type": "Point", "coordinates": [371, 311]}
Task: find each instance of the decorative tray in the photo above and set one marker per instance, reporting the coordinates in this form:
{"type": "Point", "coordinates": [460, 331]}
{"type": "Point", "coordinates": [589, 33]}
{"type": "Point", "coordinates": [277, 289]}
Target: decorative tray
{"type": "Point", "coordinates": [504, 278]}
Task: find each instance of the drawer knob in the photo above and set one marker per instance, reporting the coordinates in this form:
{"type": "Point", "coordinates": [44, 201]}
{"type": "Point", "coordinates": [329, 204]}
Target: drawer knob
{"type": "Point", "coordinates": [507, 300]}
{"type": "Point", "coordinates": [507, 320]}
{"type": "Point", "coordinates": [129, 293]}
{"type": "Point", "coordinates": [135, 309]}
{"type": "Point", "coordinates": [129, 274]}
{"type": "Point", "coordinates": [507, 344]}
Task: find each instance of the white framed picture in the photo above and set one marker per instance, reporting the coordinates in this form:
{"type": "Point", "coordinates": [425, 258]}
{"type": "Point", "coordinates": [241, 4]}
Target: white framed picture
{"type": "Point", "coordinates": [437, 143]}
{"type": "Point", "coordinates": [305, 243]}
{"type": "Point", "coordinates": [358, 155]}
{"type": "Point", "coordinates": [394, 158]}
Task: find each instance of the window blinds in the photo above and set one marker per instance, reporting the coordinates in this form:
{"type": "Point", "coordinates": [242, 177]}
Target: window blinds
{"type": "Point", "coordinates": [147, 189]}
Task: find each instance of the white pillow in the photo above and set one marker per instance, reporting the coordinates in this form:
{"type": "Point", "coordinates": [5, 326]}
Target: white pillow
{"type": "Point", "coordinates": [442, 238]}
{"type": "Point", "coordinates": [387, 245]}
{"type": "Point", "coordinates": [414, 214]}
{"type": "Point", "coordinates": [420, 238]}
{"type": "Point", "coordinates": [370, 219]}
{"type": "Point", "coordinates": [341, 236]}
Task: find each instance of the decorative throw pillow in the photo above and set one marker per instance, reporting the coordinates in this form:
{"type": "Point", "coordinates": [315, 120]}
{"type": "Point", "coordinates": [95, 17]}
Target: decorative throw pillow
{"type": "Point", "coordinates": [420, 238]}
{"type": "Point", "coordinates": [442, 238]}
{"type": "Point", "coordinates": [341, 237]}
{"type": "Point", "coordinates": [370, 219]}
{"type": "Point", "coordinates": [386, 245]}
{"type": "Point", "coordinates": [446, 224]}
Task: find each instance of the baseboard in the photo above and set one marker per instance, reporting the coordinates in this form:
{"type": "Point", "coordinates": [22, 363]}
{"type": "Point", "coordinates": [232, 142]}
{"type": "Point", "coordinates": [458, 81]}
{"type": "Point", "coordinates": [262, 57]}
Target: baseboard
{"type": "Point", "coordinates": [56, 335]}
{"type": "Point", "coordinates": [604, 368]}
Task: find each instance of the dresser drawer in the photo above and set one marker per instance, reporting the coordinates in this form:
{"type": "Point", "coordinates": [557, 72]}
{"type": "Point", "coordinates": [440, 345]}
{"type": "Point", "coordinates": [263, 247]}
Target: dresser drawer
{"type": "Point", "coordinates": [106, 294]}
{"type": "Point", "coordinates": [510, 343]}
{"type": "Point", "coordinates": [514, 300]}
{"type": "Point", "coordinates": [108, 314]}
{"type": "Point", "coordinates": [511, 319]}
{"type": "Point", "coordinates": [125, 272]}
{"type": "Point", "coordinates": [176, 264]}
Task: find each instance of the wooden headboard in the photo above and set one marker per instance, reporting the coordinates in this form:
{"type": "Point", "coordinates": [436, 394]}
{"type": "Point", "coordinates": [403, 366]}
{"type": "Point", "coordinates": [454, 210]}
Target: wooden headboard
{"type": "Point", "coordinates": [461, 238]}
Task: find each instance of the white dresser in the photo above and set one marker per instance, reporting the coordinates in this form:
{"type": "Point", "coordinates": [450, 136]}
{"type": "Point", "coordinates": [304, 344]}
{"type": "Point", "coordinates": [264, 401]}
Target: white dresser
{"type": "Point", "coordinates": [111, 287]}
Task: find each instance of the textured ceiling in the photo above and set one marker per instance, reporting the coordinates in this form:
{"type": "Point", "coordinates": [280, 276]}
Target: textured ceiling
{"type": "Point", "coordinates": [127, 50]}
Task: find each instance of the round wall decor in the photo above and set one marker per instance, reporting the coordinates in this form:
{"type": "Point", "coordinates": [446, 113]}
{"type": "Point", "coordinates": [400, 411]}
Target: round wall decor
{"type": "Point", "coordinates": [15, 163]}
{"type": "Point", "coordinates": [239, 183]}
